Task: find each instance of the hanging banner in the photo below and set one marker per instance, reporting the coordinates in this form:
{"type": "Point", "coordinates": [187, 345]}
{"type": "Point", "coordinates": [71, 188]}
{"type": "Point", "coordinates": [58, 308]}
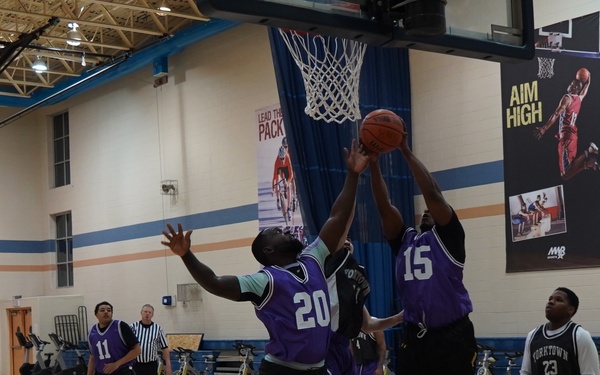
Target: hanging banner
{"type": "Point", "coordinates": [278, 204]}
{"type": "Point", "coordinates": [551, 135]}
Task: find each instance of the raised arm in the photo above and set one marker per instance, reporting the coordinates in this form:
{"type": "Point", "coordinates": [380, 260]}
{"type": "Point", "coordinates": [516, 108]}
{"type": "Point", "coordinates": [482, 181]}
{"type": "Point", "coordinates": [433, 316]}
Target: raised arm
{"type": "Point", "coordinates": [440, 210]}
{"type": "Point", "coordinates": [391, 219]}
{"type": "Point", "coordinates": [222, 286]}
{"type": "Point", "coordinates": [586, 87]}
{"type": "Point", "coordinates": [335, 228]}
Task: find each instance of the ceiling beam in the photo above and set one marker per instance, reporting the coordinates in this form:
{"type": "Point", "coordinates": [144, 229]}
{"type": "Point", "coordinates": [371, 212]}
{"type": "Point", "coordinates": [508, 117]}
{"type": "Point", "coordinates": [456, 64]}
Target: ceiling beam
{"type": "Point", "coordinates": [197, 17]}
{"type": "Point", "coordinates": [83, 22]}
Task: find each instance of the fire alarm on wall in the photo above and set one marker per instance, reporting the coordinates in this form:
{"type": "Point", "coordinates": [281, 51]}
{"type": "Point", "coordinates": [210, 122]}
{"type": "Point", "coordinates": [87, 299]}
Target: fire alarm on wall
{"type": "Point", "coordinates": [169, 301]}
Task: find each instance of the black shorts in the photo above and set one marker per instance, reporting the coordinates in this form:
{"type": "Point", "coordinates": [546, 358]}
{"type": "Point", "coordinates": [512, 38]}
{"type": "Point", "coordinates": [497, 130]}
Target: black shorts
{"type": "Point", "coordinates": [270, 368]}
{"type": "Point", "coordinates": [450, 350]}
{"type": "Point", "coordinates": [124, 371]}
{"type": "Point", "coordinates": [285, 171]}
{"type": "Point", "coordinates": [147, 368]}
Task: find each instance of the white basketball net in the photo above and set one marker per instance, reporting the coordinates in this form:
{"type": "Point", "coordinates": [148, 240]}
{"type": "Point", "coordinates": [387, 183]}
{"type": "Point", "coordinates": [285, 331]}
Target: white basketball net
{"type": "Point", "coordinates": [545, 67]}
{"type": "Point", "coordinates": [330, 69]}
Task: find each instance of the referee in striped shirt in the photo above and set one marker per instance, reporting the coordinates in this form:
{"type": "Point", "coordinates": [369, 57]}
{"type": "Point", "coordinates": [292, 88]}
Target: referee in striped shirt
{"type": "Point", "coordinates": [152, 338]}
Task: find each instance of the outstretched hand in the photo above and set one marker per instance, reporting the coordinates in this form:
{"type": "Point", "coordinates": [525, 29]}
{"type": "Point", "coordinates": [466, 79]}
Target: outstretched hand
{"type": "Point", "coordinates": [178, 242]}
{"type": "Point", "coordinates": [539, 132]}
{"type": "Point", "coordinates": [357, 159]}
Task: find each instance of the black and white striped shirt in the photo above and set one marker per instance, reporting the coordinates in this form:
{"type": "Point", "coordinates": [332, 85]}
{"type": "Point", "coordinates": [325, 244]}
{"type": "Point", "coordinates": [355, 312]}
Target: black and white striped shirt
{"type": "Point", "coordinates": [152, 338]}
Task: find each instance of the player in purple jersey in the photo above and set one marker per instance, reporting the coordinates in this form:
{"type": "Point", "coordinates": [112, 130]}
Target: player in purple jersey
{"type": "Point", "coordinates": [290, 293]}
{"type": "Point", "coordinates": [113, 345]}
{"type": "Point", "coordinates": [429, 277]}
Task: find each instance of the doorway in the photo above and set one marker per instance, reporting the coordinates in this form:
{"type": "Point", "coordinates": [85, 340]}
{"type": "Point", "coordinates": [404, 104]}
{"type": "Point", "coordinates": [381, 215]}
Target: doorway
{"type": "Point", "coordinates": [19, 319]}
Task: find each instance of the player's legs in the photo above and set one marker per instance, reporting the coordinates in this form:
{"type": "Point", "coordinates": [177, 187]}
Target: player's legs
{"type": "Point", "coordinates": [578, 164]}
{"type": "Point", "coordinates": [149, 368]}
{"type": "Point", "coordinates": [521, 226]}
{"type": "Point", "coordinates": [450, 351]}
{"type": "Point", "coordinates": [590, 159]}
{"type": "Point", "coordinates": [286, 176]}
{"type": "Point", "coordinates": [567, 150]}
{"type": "Point", "coordinates": [339, 360]}
{"type": "Point", "coordinates": [407, 351]}
{"type": "Point", "coordinates": [368, 368]}
{"type": "Point", "coordinates": [277, 187]}
{"type": "Point", "coordinates": [292, 185]}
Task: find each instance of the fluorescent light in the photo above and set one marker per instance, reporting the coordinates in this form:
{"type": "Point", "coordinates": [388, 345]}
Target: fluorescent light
{"type": "Point", "coordinates": [39, 65]}
{"type": "Point", "coordinates": [164, 6]}
{"type": "Point", "coordinates": [74, 37]}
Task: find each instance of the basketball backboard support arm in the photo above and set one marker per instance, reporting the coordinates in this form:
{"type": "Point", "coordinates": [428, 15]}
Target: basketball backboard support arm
{"type": "Point", "coordinates": [511, 40]}
{"type": "Point", "coordinates": [287, 16]}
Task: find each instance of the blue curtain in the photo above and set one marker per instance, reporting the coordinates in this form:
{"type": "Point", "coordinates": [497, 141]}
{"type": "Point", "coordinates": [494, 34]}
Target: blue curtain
{"type": "Point", "coordinates": [319, 166]}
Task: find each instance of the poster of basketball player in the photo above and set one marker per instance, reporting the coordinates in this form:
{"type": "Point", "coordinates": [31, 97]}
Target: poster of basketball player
{"type": "Point", "coordinates": [551, 134]}
{"type": "Point", "coordinates": [278, 203]}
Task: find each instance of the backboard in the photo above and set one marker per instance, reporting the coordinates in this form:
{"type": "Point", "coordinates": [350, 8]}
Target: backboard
{"type": "Point", "coordinates": [571, 37]}
{"type": "Point", "coordinates": [493, 30]}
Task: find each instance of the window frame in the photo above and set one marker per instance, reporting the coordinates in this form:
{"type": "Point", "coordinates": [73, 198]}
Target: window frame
{"type": "Point", "coordinates": [61, 151]}
{"type": "Point", "coordinates": [63, 249]}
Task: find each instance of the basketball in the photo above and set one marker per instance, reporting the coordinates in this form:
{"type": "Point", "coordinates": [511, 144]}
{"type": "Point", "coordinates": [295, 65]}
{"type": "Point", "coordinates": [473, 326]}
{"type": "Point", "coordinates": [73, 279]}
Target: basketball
{"type": "Point", "coordinates": [382, 131]}
{"type": "Point", "coordinates": [583, 75]}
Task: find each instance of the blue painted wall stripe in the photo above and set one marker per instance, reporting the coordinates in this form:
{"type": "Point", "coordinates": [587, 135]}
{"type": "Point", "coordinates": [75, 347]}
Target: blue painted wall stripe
{"type": "Point", "coordinates": [197, 221]}
{"type": "Point", "coordinates": [470, 176]}
{"type": "Point", "coordinates": [450, 179]}
{"type": "Point", "coordinates": [131, 232]}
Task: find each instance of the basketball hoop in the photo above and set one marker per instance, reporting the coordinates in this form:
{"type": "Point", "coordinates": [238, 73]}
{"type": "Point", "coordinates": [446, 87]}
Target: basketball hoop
{"type": "Point", "coordinates": [330, 70]}
{"type": "Point", "coordinates": [555, 41]}
{"type": "Point", "coordinates": [545, 67]}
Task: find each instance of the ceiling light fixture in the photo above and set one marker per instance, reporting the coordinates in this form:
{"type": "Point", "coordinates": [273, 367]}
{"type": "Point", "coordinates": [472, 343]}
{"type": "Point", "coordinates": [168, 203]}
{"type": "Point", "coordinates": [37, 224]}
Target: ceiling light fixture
{"type": "Point", "coordinates": [74, 37]}
{"type": "Point", "coordinates": [83, 63]}
{"type": "Point", "coordinates": [39, 65]}
{"type": "Point", "coordinates": [164, 6]}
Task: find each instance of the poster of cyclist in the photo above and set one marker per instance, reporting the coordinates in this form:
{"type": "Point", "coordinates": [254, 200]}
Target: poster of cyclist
{"type": "Point", "coordinates": [277, 200]}
{"type": "Point", "coordinates": [551, 135]}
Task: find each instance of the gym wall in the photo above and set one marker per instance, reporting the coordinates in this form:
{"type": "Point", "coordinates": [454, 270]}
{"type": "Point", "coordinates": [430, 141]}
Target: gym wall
{"type": "Point", "coordinates": [127, 136]}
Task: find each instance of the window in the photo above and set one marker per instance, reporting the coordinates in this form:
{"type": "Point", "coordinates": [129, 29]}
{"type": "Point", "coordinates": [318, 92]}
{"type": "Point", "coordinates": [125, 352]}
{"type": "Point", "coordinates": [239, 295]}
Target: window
{"type": "Point", "coordinates": [62, 154]}
{"type": "Point", "coordinates": [64, 250]}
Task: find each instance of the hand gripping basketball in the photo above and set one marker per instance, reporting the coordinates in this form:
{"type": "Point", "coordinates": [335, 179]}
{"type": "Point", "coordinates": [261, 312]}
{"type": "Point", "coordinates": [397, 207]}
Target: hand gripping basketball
{"type": "Point", "coordinates": [382, 131]}
{"type": "Point", "coordinates": [582, 75]}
